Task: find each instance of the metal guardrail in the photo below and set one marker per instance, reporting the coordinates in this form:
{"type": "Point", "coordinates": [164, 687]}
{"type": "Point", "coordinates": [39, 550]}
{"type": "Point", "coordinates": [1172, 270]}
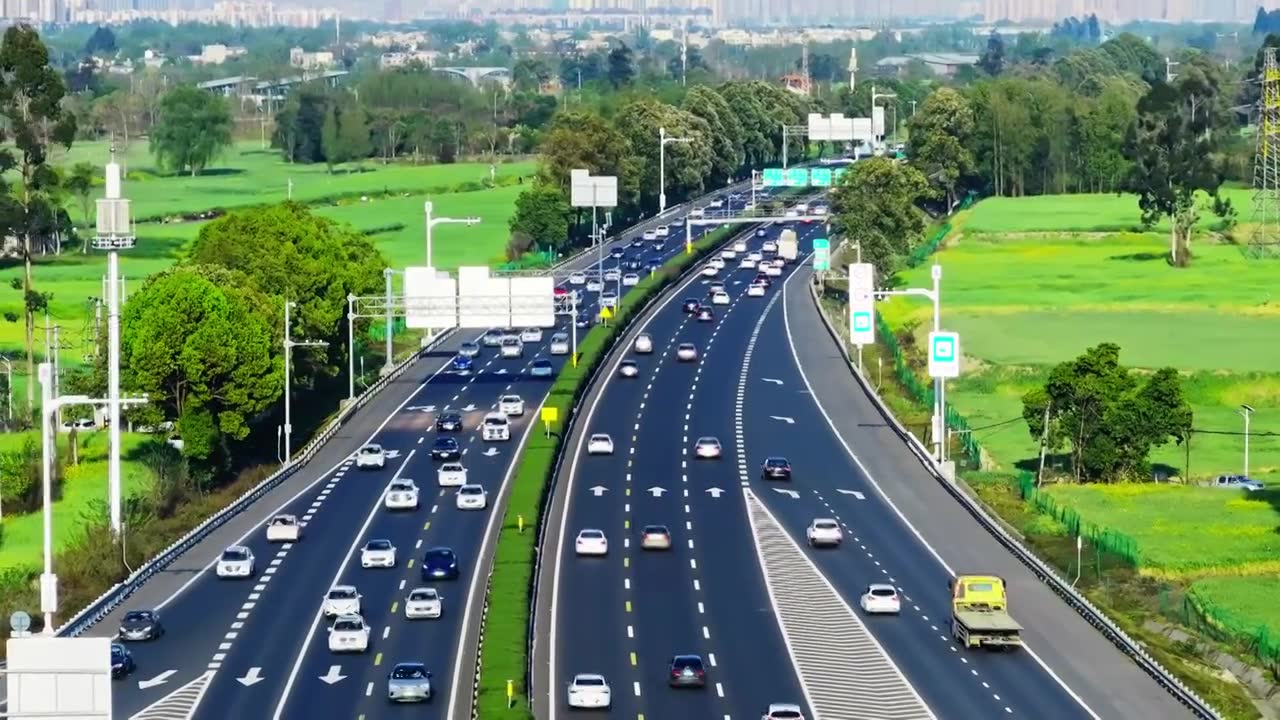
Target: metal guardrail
{"type": "Point", "coordinates": [112, 598]}
{"type": "Point", "coordinates": [1041, 569]}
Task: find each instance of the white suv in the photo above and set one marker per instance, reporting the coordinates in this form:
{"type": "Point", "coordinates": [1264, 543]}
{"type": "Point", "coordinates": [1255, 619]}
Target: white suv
{"type": "Point", "coordinates": [349, 633]}
{"type": "Point", "coordinates": [495, 426]}
{"type": "Point", "coordinates": [371, 456]}
{"type": "Point", "coordinates": [824, 531]}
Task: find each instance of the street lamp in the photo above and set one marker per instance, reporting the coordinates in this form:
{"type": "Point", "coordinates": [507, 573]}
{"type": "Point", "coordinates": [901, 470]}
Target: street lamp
{"type": "Point", "coordinates": [289, 345]}
{"type": "Point", "coordinates": [1246, 411]}
{"type": "Point", "coordinates": [663, 139]}
{"type": "Point", "coordinates": [433, 221]}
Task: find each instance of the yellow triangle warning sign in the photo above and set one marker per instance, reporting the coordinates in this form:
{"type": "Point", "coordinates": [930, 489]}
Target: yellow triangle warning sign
{"type": "Point", "coordinates": [606, 313]}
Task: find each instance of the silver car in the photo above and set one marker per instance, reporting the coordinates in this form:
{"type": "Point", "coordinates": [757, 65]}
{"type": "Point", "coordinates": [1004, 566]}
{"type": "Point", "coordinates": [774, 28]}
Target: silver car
{"type": "Point", "coordinates": [409, 682]}
{"type": "Point", "coordinates": [559, 344]}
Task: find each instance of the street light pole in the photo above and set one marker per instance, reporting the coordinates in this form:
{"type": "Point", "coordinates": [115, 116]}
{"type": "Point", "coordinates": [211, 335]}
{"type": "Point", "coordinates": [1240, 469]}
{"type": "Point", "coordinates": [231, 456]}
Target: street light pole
{"type": "Point", "coordinates": [389, 361]}
{"type": "Point", "coordinates": [431, 222]}
{"type": "Point", "coordinates": [289, 345]}
{"type": "Point", "coordinates": [663, 139]}
{"type": "Point", "coordinates": [1246, 411]}
{"type": "Point", "coordinates": [351, 346]}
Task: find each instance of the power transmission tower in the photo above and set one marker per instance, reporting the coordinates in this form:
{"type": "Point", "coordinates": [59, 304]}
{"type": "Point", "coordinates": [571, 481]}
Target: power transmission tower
{"type": "Point", "coordinates": [1265, 240]}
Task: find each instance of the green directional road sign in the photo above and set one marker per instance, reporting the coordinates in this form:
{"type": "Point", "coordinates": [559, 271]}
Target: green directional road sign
{"type": "Point", "coordinates": [772, 177]}
{"type": "Point", "coordinates": [797, 177]}
{"type": "Point", "coordinates": [820, 177]}
{"type": "Point", "coordinates": [944, 354]}
{"type": "Point", "coordinates": [862, 322]}
{"type": "Point", "coordinates": [821, 244]}
{"type": "Point", "coordinates": [821, 261]}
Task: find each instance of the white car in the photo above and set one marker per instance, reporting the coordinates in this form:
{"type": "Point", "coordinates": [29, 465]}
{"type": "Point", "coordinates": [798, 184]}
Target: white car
{"type": "Point", "coordinates": [451, 474]}
{"type": "Point", "coordinates": [609, 299]}
{"type": "Point", "coordinates": [591, 542]}
{"type": "Point", "coordinates": [402, 495]}
{"type": "Point", "coordinates": [510, 405]}
{"type": "Point", "coordinates": [650, 235]}
{"type": "Point", "coordinates": [720, 298]}
{"type": "Point", "coordinates": [589, 691]}
{"type": "Point", "coordinates": [612, 276]}
{"type": "Point", "coordinates": [710, 271]}
{"type": "Point", "coordinates": [495, 426]}
{"type": "Point", "coordinates": [559, 344]}
{"type": "Point", "coordinates": [686, 352]}
{"type": "Point", "coordinates": [284, 528]}
{"type": "Point", "coordinates": [824, 531]}
{"type": "Point", "coordinates": [628, 369]}
{"type": "Point", "coordinates": [881, 598]}
{"type": "Point", "coordinates": [793, 213]}
{"type": "Point", "coordinates": [342, 600]}
{"type": "Point", "coordinates": [578, 278]}
{"type": "Point", "coordinates": [761, 233]}
{"type": "Point", "coordinates": [717, 263]}
{"type": "Point", "coordinates": [371, 456]}
{"type": "Point", "coordinates": [531, 335]}
{"type": "Point", "coordinates": [349, 633]}
{"type": "Point", "coordinates": [728, 254]}
{"type": "Point", "coordinates": [755, 256]}
{"type": "Point", "coordinates": [423, 602]}
{"type": "Point", "coordinates": [643, 343]}
{"type": "Point", "coordinates": [378, 553]}
{"type": "Point", "coordinates": [630, 280]}
{"type": "Point", "coordinates": [716, 204]}
{"type": "Point", "coordinates": [756, 290]}
{"type": "Point", "coordinates": [818, 210]}
{"type": "Point", "coordinates": [235, 562]}
{"type": "Point", "coordinates": [707, 447]}
{"type": "Point", "coordinates": [471, 497]}
{"type": "Point", "coordinates": [740, 246]}
{"type": "Point", "coordinates": [747, 264]}
{"type": "Point", "coordinates": [783, 711]}
{"type": "Point", "coordinates": [662, 231]}
{"type": "Point", "coordinates": [773, 271]}
{"type": "Point", "coordinates": [697, 212]}
{"type": "Point", "coordinates": [511, 348]}
{"type": "Point", "coordinates": [595, 285]}
{"type": "Point", "coordinates": [769, 246]}
{"type": "Point", "coordinates": [600, 444]}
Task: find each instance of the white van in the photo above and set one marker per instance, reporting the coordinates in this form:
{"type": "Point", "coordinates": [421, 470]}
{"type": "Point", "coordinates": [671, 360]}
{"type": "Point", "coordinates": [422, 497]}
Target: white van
{"type": "Point", "coordinates": [495, 426]}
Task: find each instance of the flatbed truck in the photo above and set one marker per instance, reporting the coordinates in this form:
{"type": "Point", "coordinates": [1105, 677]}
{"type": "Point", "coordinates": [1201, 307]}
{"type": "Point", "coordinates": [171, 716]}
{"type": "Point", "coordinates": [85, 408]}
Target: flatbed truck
{"type": "Point", "coordinates": [980, 615]}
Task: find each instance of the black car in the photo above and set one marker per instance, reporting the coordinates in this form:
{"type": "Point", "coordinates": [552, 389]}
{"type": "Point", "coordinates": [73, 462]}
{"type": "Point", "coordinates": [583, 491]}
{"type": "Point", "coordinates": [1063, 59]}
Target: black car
{"type": "Point", "coordinates": [121, 661]}
{"type": "Point", "coordinates": [706, 314]}
{"type": "Point", "coordinates": [775, 468]}
{"type": "Point", "coordinates": [445, 448]}
{"type": "Point", "coordinates": [691, 305]}
{"type": "Point", "coordinates": [583, 320]}
{"type": "Point", "coordinates": [449, 422]}
{"type": "Point", "coordinates": [687, 671]}
{"type": "Point", "coordinates": [654, 263]}
{"type": "Point", "coordinates": [617, 252]}
{"type": "Point", "coordinates": [439, 564]}
{"type": "Point", "coordinates": [633, 264]}
{"type": "Point", "coordinates": [637, 242]}
{"type": "Point", "coordinates": [141, 625]}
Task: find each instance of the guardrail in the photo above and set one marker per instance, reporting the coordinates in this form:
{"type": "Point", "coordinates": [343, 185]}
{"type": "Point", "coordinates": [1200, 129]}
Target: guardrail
{"type": "Point", "coordinates": [1041, 569]}
{"type": "Point", "coordinates": [112, 598]}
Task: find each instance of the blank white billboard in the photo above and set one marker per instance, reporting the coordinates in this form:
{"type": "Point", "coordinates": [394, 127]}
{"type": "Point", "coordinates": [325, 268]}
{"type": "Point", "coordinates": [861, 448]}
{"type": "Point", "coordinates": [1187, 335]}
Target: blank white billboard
{"type": "Point", "coordinates": [483, 302]}
{"type": "Point", "coordinates": [430, 299]}
{"type": "Point", "coordinates": [533, 302]}
{"type": "Point", "coordinates": [834, 127]}
{"type": "Point", "coordinates": [59, 678]}
{"type": "Point", "coordinates": [862, 130]}
{"type": "Point", "coordinates": [587, 190]}
{"type": "Point", "coordinates": [877, 120]}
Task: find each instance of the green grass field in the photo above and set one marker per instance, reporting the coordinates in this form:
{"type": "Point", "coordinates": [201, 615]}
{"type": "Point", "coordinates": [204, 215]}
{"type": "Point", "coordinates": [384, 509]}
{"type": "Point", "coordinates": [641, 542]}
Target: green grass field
{"type": "Point", "coordinates": [1079, 213]}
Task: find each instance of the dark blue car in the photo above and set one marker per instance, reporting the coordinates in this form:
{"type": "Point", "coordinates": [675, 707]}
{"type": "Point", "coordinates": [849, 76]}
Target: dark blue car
{"type": "Point", "coordinates": [121, 661]}
{"type": "Point", "coordinates": [445, 448]}
{"type": "Point", "coordinates": [617, 252]}
{"type": "Point", "coordinates": [440, 564]}
{"type": "Point", "coordinates": [462, 363]}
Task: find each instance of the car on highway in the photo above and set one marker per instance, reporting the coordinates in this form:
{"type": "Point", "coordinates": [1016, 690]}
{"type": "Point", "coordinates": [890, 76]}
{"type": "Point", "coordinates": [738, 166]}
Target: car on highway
{"type": "Point", "coordinates": [600, 444]}
{"type": "Point", "coordinates": [792, 213]}
{"type": "Point", "coordinates": [755, 255]}
{"type": "Point", "coordinates": [609, 299]}
{"type": "Point", "coordinates": [284, 528]}
{"type": "Point", "coordinates": [617, 252]}
{"type": "Point", "coordinates": [469, 349]}
{"type": "Point", "coordinates": [710, 271]}
{"type": "Point", "coordinates": [630, 280]}
{"type": "Point", "coordinates": [559, 344]}
{"type": "Point", "coordinates": [121, 661]}
{"type": "Point", "coordinates": [655, 537]}
{"type": "Point", "coordinates": [139, 625]}
{"type": "Point", "coordinates": [495, 427]}
{"type": "Point", "coordinates": [824, 532]}
{"type": "Point", "coordinates": [511, 405]}
{"type": "Point", "coordinates": [541, 368]}
{"type": "Point", "coordinates": [471, 497]}
{"type": "Point", "coordinates": [578, 278]}
{"type": "Point", "coordinates": [663, 230]}
{"type": "Point", "coordinates": [409, 682]}
{"type": "Point", "coordinates": [402, 495]}
{"type": "Point", "coordinates": [511, 348]}
{"type": "Point", "coordinates": [349, 633]}
{"type": "Point", "coordinates": [773, 271]}
{"type": "Point", "coordinates": [492, 337]}
{"type": "Point", "coordinates": [440, 563]}
{"type": "Point", "coordinates": [881, 599]}
{"type": "Point", "coordinates": [720, 298]}
{"type": "Point", "coordinates": [706, 314]}
{"type": "Point", "coordinates": [612, 275]}
{"type": "Point", "coordinates": [341, 600]}
{"type": "Point", "coordinates": [644, 343]}
{"type": "Point", "coordinates": [654, 263]}
{"type": "Point", "coordinates": [462, 363]}
{"type": "Point", "coordinates": [531, 335]}
{"type": "Point", "coordinates": [451, 474]}
{"type": "Point", "coordinates": [591, 542]}
{"type": "Point", "coordinates": [717, 203]}
{"type": "Point", "coordinates": [761, 233]}
{"type": "Point", "coordinates": [707, 447]}
{"type": "Point", "coordinates": [637, 241]}
{"type": "Point", "coordinates": [687, 671]}
{"type": "Point", "coordinates": [729, 254]}
{"type": "Point", "coordinates": [762, 278]}
{"type": "Point", "coordinates": [691, 305]}
{"type": "Point", "coordinates": [235, 562]}
{"type": "Point", "coordinates": [775, 468]}
{"type": "Point", "coordinates": [449, 421]}
{"type": "Point", "coordinates": [378, 553]}
{"type": "Point", "coordinates": [717, 262]}
{"type": "Point", "coordinates": [783, 711]}
{"type": "Point", "coordinates": [588, 691]}
{"type": "Point", "coordinates": [769, 246]}
{"type": "Point", "coordinates": [697, 212]}
{"type": "Point", "coordinates": [740, 246]}
{"type": "Point", "coordinates": [371, 456]}
{"type": "Point", "coordinates": [445, 448]}
{"type": "Point", "coordinates": [686, 352]}
{"type": "Point", "coordinates": [756, 290]}
{"type": "Point", "coordinates": [715, 287]}
{"type": "Point", "coordinates": [650, 235]}
{"type": "Point", "coordinates": [595, 285]}
{"type": "Point", "coordinates": [747, 264]}
{"type": "Point", "coordinates": [423, 603]}
{"type": "Point", "coordinates": [582, 320]}
{"type": "Point", "coordinates": [628, 369]}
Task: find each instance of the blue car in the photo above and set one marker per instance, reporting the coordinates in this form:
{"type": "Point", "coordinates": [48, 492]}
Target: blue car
{"type": "Point", "coordinates": [446, 449]}
{"type": "Point", "coordinates": [617, 252]}
{"type": "Point", "coordinates": [654, 263]}
{"type": "Point", "coordinates": [439, 563]}
{"type": "Point", "coordinates": [121, 661]}
{"type": "Point", "coordinates": [462, 363]}
{"type": "Point", "coordinates": [542, 368]}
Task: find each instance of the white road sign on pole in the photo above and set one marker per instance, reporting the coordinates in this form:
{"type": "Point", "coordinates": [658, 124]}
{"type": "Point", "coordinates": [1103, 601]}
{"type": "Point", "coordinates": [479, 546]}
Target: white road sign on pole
{"type": "Point", "coordinates": [862, 304]}
{"type": "Point", "coordinates": [944, 355]}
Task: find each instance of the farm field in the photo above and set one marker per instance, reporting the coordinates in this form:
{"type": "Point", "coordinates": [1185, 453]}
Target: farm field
{"type": "Point", "coordinates": [1098, 212]}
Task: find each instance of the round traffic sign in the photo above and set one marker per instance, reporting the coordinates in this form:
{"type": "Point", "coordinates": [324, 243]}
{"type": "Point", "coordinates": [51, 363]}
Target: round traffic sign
{"type": "Point", "coordinates": [20, 622]}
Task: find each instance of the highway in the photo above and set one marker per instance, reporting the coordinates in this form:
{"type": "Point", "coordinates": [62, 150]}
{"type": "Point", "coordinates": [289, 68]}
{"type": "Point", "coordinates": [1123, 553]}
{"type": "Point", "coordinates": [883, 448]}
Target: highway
{"type": "Point", "coordinates": [774, 620]}
{"type": "Point", "coordinates": [257, 648]}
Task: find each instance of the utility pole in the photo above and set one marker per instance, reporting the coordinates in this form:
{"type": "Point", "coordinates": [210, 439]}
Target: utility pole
{"type": "Point", "coordinates": [289, 345]}
{"type": "Point", "coordinates": [1044, 442]}
{"type": "Point", "coordinates": [1246, 411]}
{"type": "Point", "coordinates": [663, 139]}
{"type": "Point", "coordinates": [1169, 74]}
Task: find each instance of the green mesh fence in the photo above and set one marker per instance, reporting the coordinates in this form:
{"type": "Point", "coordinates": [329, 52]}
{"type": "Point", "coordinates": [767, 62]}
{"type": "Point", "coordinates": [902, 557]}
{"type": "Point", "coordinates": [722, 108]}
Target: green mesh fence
{"type": "Point", "coordinates": [1201, 614]}
{"type": "Point", "coordinates": [1106, 539]}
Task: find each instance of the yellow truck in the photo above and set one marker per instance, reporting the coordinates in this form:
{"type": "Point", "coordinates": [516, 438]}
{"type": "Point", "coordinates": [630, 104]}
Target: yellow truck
{"type": "Point", "coordinates": [979, 613]}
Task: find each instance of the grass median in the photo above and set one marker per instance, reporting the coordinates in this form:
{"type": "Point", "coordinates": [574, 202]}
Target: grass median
{"type": "Point", "coordinates": [504, 652]}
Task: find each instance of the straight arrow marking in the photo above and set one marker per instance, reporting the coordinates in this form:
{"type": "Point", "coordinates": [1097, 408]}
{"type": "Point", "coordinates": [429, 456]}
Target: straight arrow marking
{"type": "Point", "coordinates": [598, 490]}
{"type": "Point", "coordinates": [469, 408]}
{"type": "Point", "coordinates": [160, 679]}
{"type": "Point", "coordinates": [334, 675]}
{"type": "Point", "coordinates": [657, 491]}
{"type": "Point", "coordinates": [854, 493]}
{"type": "Point", "coordinates": [252, 677]}
{"type": "Point", "coordinates": [715, 492]}
{"type": "Point", "coordinates": [490, 452]}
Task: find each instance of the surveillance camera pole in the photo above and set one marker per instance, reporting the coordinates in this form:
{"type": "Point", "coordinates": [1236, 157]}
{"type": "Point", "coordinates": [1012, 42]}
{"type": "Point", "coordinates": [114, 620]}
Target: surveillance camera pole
{"type": "Point", "coordinates": [289, 345]}
{"type": "Point", "coordinates": [663, 139]}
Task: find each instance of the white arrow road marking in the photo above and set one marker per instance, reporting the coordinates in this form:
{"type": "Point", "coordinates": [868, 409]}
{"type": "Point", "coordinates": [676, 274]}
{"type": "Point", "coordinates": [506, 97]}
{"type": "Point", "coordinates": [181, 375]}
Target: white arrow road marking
{"type": "Point", "coordinates": [598, 490]}
{"type": "Point", "coordinates": [422, 408]}
{"type": "Point", "coordinates": [490, 452]}
{"type": "Point", "coordinates": [775, 381]}
{"type": "Point", "coordinates": [160, 679]}
{"type": "Point", "coordinates": [784, 419]}
{"type": "Point", "coordinates": [252, 677]}
{"type": "Point", "coordinates": [854, 493]}
{"type": "Point", "coordinates": [657, 491]}
{"type": "Point", "coordinates": [500, 371]}
{"type": "Point", "coordinates": [469, 408]}
{"type": "Point", "coordinates": [794, 495]}
{"type": "Point", "coordinates": [334, 675]}
{"type": "Point", "coordinates": [715, 492]}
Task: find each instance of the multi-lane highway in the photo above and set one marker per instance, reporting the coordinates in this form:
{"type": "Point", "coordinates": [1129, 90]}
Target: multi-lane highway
{"type": "Point", "coordinates": [258, 647]}
{"type": "Point", "coordinates": [773, 620]}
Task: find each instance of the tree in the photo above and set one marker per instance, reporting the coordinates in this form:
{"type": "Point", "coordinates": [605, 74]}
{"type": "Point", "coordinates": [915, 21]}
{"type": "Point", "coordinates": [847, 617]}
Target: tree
{"type": "Point", "coordinates": [941, 134]}
{"type": "Point", "coordinates": [299, 125]}
{"type": "Point", "coordinates": [622, 68]}
{"type": "Point", "coordinates": [197, 341]}
{"type": "Point", "coordinates": [1105, 415]}
{"type": "Point", "coordinates": [193, 127]}
{"type": "Point", "coordinates": [875, 204]}
{"type": "Point", "coordinates": [100, 42]}
{"type": "Point", "coordinates": [542, 214]}
{"type": "Point", "coordinates": [345, 133]}
{"type": "Point", "coordinates": [577, 139]}
{"type": "Point", "coordinates": [725, 131]}
{"type": "Point", "coordinates": [687, 163]}
{"type": "Point", "coordinates": [31, 95]}
{"type": "Point", "coordinates": [992, 60]}
{"type": "Point", "coordinates": [79, 181]}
